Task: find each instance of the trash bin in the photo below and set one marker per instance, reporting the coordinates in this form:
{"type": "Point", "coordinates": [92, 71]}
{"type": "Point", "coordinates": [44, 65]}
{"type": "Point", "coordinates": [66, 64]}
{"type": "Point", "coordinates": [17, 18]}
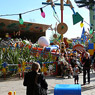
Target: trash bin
{"type": "Point", "coordinates": [67, 89]}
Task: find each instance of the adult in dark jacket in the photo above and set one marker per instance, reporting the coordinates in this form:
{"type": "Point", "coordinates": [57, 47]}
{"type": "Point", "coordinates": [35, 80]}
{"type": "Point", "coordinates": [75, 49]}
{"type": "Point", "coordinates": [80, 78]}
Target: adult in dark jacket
{"type": "Point", "coordinates": [86, 68]}
{"type": "Point", "coordinates": [29, 80]}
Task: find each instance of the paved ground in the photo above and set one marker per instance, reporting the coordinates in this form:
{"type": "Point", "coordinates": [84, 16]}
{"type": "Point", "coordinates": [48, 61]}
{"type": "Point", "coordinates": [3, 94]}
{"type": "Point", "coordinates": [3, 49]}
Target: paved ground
{"type": "Point", "coordinates": [17, 85]}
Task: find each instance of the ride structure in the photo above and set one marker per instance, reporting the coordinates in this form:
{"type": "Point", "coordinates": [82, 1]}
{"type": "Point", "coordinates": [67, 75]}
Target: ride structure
{"type": "Point", "coordinates": [62, 27]}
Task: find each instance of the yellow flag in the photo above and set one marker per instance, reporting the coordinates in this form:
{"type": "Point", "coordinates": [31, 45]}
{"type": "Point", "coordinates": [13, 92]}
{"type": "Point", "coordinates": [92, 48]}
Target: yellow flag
{"type": "Point", "coordinates": [81, 24]}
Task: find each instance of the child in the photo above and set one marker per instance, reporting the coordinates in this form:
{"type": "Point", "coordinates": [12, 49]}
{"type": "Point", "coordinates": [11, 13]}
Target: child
{"type": "Point", "coordinates": [76, 70]}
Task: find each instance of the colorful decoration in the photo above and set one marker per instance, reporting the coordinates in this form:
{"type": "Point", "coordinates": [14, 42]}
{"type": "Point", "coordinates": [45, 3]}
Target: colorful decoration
{"type": "Point", "coordinates": [62, 28]}
{"type": "Point", "coordinates": [42, 13]}
{"type": "Point", "coordinates": [91, 48]}
{"type": "Point", "coordinates": [81, 24]}
{"type": "Point", "coordinates": [10, 93]}
{"type": "Point", "coordinates": [14, 92]}
{"type": "Point", "coordinates": [91, 31]}
{"type": "Point", "coordinates": [20, 19]}
{"type": "Point", "coordinates": [77, 18]}
{"type": "Point", "coordinates": [43, 41]}
{"type": "Point", "coordinates": [43, 69]}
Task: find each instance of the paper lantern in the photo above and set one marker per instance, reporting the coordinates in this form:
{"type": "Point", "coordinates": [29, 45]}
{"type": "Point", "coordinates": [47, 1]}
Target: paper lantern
{"type": "Point", "coordinates": [43, 41]}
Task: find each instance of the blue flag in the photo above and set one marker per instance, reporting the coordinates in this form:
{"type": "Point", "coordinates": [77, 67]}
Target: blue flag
{"type": "Point", "coordinates": [83, 36]}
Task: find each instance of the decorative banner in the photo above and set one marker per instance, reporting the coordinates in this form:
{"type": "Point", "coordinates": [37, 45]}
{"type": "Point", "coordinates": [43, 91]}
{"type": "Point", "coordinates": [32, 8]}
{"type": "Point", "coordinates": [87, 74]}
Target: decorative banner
{"type": "Point", "coordinates": [77, 18]}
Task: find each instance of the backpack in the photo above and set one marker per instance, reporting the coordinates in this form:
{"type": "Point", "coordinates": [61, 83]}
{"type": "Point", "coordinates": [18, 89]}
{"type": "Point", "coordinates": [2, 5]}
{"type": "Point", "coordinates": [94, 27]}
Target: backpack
{"type": "Point", "coordinates": [38, 90]}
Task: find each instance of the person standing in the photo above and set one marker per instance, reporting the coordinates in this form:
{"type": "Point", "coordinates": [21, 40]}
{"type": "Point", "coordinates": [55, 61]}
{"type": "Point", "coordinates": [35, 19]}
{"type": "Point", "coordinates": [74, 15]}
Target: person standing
{"type": "Point", "coordinates": [86, 68]}
{"type": "Point", "coordinates": [31, 77]}
{"type": "Point", "coordinates": [76, 71]}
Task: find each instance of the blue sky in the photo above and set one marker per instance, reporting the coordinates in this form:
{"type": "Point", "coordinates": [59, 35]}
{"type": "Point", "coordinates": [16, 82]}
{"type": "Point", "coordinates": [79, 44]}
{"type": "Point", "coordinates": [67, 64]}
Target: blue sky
{"type": "Point", "coordinates": [20, 6]}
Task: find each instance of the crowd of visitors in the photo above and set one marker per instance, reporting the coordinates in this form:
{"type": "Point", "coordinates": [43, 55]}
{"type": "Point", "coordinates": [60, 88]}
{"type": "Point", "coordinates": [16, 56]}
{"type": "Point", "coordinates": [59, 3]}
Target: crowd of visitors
{"type": "Point", "coordinates": [67, 62]}
{"type": "Point", "coordinates": [71, 64]}
{"type": "Point", "coordinates": [67, 66]}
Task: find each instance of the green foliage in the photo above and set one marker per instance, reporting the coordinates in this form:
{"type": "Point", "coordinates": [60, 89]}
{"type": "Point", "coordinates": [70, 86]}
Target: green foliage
{"type": "Point", "coordinates": [16, 56]}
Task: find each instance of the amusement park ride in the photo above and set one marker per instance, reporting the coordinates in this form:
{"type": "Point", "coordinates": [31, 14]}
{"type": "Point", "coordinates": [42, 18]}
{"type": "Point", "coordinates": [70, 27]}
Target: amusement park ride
{"type": "Point", "coordinates": [62, 27]}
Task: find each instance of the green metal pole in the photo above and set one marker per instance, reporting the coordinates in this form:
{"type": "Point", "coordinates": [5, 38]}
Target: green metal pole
{"type": "Point", "coordinates": [92, 22]}
{"type": "Point", "coordinates": [92, 17]}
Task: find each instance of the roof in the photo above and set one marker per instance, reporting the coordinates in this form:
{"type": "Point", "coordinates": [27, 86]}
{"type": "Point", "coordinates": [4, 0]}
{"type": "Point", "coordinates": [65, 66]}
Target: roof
{"type": "Point", "coordinates": [10, 26]}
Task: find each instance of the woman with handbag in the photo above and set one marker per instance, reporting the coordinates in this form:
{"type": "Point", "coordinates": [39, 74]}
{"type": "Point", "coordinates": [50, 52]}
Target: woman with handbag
{"type": "Point", "coordinates": [35, 82]}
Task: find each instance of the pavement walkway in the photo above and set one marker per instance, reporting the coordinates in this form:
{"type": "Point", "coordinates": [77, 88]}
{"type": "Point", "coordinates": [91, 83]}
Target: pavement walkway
{"type": "Point", "coordinates": [16, 84]}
